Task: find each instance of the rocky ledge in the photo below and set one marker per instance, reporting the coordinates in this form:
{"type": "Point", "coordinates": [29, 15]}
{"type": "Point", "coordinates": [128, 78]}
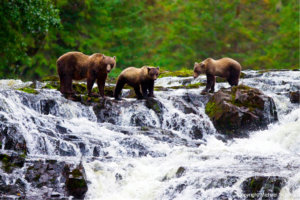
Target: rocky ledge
{"type": "Point", "coordinates": [240, 109]}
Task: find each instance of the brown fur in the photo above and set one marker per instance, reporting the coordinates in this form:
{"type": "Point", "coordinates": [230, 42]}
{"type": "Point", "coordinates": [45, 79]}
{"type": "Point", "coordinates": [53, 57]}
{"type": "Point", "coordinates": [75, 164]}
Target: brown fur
{"type": "Point", "coordinates": [78, 66]}
{"type": "Point", "coordinates": [225, 67]}
{"type": "Point", "coordinates": [138, 78]}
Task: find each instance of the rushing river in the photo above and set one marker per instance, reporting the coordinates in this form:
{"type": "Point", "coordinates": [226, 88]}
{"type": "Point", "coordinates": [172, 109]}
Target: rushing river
{"type": "Point", "coordinates": [142, 155]}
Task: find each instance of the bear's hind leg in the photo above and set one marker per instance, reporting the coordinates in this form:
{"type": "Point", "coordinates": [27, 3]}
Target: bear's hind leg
{"type": "Point", "coordinates": [233, 80]}
{"type": "Point", "coordinates": [68, 85]}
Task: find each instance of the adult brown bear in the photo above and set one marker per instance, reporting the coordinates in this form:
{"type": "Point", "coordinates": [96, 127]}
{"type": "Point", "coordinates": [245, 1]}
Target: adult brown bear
{"type": "Point", "coordinates": [224, 67]}
{"type": "Point", "coordinates": [78, 66]}
{"type": "Point", "coordinates": [138, 78]}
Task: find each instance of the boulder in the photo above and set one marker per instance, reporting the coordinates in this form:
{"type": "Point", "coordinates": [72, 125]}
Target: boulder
{"type": "Point", "coordinates": [240, 109]}
{"type": "Point", "coordinates": [263, 187]}
{"type": "Point", "coordinates": [76, 184]}
{"type": "Point", "coordinates": [295, 97]}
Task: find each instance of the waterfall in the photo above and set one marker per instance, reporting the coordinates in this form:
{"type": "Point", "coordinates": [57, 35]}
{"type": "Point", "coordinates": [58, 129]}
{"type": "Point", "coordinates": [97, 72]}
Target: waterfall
{"type": "Point", "coordinates": [170, 151]}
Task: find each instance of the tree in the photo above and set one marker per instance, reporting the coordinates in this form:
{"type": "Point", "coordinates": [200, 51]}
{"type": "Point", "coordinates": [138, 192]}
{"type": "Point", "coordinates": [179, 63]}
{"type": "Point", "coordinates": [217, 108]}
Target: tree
{"type": "Point", "coordinates": [24, 26]}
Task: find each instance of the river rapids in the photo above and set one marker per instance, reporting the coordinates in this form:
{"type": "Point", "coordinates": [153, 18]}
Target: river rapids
{"type": "Point", "coordinates": [138, 154]}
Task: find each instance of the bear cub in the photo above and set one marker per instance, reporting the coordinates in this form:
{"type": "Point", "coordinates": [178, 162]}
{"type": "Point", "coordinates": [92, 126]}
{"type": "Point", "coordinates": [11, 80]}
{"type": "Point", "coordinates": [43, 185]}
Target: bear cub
{"type": "Point", "coordinates": [225, 67]}
{"type": "Point", "coordinates": [78, 66]}
{"type": "Point", "coordinates": [141, 79]}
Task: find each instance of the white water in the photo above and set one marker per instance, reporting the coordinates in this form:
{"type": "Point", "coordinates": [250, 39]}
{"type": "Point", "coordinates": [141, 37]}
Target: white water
{"type": "Point", "coordinates": [140, 166]}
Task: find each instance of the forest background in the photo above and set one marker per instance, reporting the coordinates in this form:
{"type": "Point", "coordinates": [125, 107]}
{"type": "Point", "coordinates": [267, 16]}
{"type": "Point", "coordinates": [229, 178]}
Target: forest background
{"type": "Point", "coordinates": [172, 34]}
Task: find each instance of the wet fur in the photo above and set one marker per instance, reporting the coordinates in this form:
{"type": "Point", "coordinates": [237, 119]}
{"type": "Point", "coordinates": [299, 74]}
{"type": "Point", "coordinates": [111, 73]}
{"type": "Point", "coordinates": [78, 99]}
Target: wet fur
{"type": "Point", "coordinates": [138, 78]}
{"type": "Point", "coordinates": [78, 66]}
{"type": "Point", "coordinates": [225, 67]}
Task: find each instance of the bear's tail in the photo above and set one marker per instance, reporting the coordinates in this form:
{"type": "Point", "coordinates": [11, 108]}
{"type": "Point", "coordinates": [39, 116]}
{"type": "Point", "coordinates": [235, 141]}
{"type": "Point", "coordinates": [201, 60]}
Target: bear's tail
{"type": "Point", "coordinates": [119, 86]}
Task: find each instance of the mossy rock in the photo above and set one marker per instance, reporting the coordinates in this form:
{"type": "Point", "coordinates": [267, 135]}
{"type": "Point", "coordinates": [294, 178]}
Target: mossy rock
{"type": "Point", "coordinates": [79, 88]}
{"type": "Point", "coordinates": [76, 184]}
{"type": "Point", "coordinates": [154, 104]}
{"type": "Point", "coordinates": [264, 185]}
{"type": "Point", "coordinates": [241, 109]}
{"type": "Point", "coordinates": [179, 73]}
{"type": "Point", "coordinates": [189, 86]}
{"type": "Point", "coordinates": [9, 163]}
{"type": "Point", "coordinates": [50, 78]}
{"type": "Point", "coordinates": [28, 90]}
{"type": "Point", "coordinates": [52, 85]}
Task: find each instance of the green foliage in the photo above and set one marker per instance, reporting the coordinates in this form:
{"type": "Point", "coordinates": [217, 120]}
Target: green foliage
{"type": "Point", "coordinates": [24, 26]}
{"type": "Point", "coordinates": [171, 34]}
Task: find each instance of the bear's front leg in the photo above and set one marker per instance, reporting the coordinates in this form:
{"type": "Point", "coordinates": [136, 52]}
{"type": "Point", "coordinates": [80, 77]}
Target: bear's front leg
{"type": "Point", "coordinates": [151, 89]}
{"type": "Point", "coordinates": [212, 88]}
{"type": "Point", "coordinates": [138, 92]}
{"type": "Point", "coordinates": [144, 90]}
{"type": "Point", "coordinates": [101, 84]}
{"type": "Point", "coordinates": [90, 83]}
{"type": "Point", "coordinates": [209, 83]}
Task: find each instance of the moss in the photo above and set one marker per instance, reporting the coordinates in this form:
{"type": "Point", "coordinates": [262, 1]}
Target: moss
{"type": "Point", "coordinates": [80, 88]}
{"type": "Point", "coordinates": [220, 80]}
{"type": "Point", "coordinates": [210, 108]}
{"type": "Point", "coordinates": [50, 78]}
{"type": "Point", "coordinates": [74, 184]}
{"type": "Point", "coordinates": [180, 73]}
{"type": "Point", "coordinates": [9, 162]}
{"type": "Point", "coordinates": [154, 105]}
{"type": "Point", "coordinates": [145, 128]}
{"type": "Point", "coordinates": [51, 85]}
{"type": "Point", "coordinates": [76, 173]}
{"type": "Point", "coordinates": [28, 90]}
{"type": "Point", "coordinates": [189, 86]}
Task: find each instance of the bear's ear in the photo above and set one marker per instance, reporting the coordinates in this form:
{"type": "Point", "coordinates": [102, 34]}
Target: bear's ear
{"type": "Point", "coordinates": [148, 69]}
{"type": "Point", "coordinates": [196, 63]}
{"type": "Point", "coordinates": [114, 57]}
{"type": "Point", "coordinates": [157, 67]}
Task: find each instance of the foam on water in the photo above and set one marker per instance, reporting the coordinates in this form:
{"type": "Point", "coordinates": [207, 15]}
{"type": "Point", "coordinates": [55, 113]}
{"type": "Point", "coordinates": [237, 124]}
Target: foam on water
{"type": "Point", "coordinates": [135, 164]}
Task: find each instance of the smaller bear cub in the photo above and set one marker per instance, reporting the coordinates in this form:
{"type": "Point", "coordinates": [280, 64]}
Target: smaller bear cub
{"type": "Point", "coordinates": [141, 79]}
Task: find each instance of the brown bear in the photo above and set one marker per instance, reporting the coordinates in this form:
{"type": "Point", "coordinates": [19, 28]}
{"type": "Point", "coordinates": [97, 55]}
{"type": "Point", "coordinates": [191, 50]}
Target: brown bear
{"type": "Point", "coordinates": [138, 78]}
{"type": "Point", "coordinates": [224, 67]}
{"type": "Point", "coordinates": [78, 66]}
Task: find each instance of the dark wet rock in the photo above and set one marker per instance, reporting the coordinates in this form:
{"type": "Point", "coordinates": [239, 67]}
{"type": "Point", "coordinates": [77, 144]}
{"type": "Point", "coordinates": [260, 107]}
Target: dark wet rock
{"type": "Point", "coordinates": [118, 177]}
{"type": "Point", "coordinates": [295, 97]}
{"type": "Point", "coordinates": [45, 173]}
{"type": "Point", "coordinates": [11, 136]}
{"type": "Point", "coordinates": [76, 184]}
{"type": "Point", "coordinates": [156, 106]}
{"type": "Point", "coordinates": [180, 171]}
{"type": "Point", "coordinates": [228, 181]}
{"type": "Point", "coordinates": [228, 195]}
{"type": "Point", "coordinates": [109, 110]}
{"type": "Point", "coordinates": [265, 187]}
{"type": "Point", "coordinates": [17, 189]}
{"type": "Point", "coordinates": [49, 106]}
{"type": "Point", "coordinates": [241, 109]}
{"type": "Point", "coordinates": [134, 147]}
{"type": "Point", "coordinates": [61, 179]}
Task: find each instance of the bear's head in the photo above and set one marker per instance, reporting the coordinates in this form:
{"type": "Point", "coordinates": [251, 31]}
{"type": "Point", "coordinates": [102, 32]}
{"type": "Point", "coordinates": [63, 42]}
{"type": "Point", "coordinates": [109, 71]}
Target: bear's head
{"type": "Point", "coordinates": [153, 72]}
{"type": "Point", "coordinates": [199, 68]}
{"type": "Point", "coordinates": [110, 62]}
